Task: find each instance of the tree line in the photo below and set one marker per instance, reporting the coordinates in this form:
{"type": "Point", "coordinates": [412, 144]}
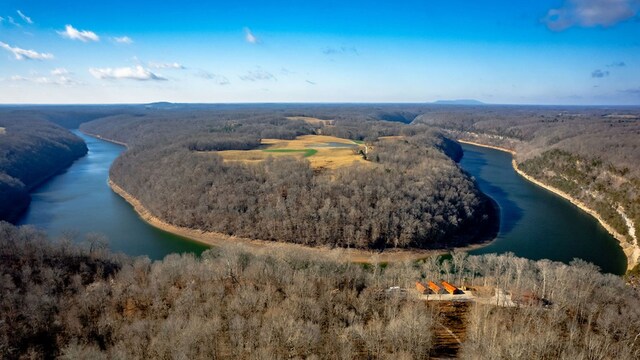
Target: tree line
{"type": "Point", "coordinates": [412, 195]}
{"type": "Point", "coordinates": [31, 150]}
{"type": "Point", "coordinates": [591, 153]}
{"type": "Point", "coordinates": [81, 301]}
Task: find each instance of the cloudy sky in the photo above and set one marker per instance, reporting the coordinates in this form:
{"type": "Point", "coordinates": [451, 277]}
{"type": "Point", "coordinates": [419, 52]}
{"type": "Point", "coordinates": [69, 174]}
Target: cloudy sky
{"type": "Point", "coordinates": [510, 52]}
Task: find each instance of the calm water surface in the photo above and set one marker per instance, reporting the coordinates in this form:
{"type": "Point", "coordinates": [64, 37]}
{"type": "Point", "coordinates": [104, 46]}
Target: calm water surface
{"type": "Point", "coordinates": [80, 201]}
{"type": "Point", "coordinates": [534, 223]}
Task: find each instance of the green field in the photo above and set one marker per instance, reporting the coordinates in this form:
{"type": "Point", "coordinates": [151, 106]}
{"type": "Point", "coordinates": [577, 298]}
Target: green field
{"type": "Point", "coordinates": [307, 152]}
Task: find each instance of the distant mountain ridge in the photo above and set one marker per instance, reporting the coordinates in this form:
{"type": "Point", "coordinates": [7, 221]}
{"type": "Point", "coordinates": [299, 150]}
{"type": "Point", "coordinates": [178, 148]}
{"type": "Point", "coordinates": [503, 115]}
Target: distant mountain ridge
{"type": "Point", "coordinates": [459, 102]}
{"type": "Point", "coordinates": [161, 105]}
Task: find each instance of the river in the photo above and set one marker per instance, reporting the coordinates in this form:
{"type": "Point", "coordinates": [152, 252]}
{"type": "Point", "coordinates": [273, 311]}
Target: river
{"type": "Point", "coordinates": [534, 223]}
{"type": "Point", "coordinates": [79, 201]}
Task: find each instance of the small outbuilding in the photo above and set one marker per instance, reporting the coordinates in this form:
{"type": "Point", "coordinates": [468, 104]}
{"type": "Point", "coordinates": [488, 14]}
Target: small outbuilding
{"type": "Point", "coordinates": [451, 289]}
{"type": "Point", "coordinates": [435, 288]}
{"type": "Point", "coordinates": [421, 288]}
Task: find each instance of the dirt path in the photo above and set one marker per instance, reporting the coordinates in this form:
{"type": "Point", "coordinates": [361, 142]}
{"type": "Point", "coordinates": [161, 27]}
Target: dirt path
{"type": "Point", "coordinates": [451, 329]}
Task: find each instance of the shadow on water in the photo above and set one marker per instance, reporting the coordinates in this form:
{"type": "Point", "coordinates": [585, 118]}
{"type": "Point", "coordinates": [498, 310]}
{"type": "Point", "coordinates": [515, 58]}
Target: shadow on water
{"type": "Point", "coordinates": [79, 201]}
{"type": "Point", "coordinates": [535, 223]}
{"type": "Point", "coordinates": [510, 212]}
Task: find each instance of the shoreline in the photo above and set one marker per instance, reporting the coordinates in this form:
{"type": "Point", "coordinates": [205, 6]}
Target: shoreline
{"type": "Point", "coordinates": [104, 138]}
{"type": "Point", "coordinates": [629, 249]}
{"type": "Point", "coordinates": [344, 254]}
{"type": "Point", "coordinates": [488, 146]}
{"type": "Point", "coordinates": [218, 239]}
{"type": "Point", "coordinates": [19, 212]}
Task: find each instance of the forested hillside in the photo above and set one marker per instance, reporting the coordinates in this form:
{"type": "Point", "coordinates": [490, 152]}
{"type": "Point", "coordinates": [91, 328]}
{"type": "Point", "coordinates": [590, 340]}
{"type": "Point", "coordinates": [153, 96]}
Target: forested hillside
{"type": "Point", "coordinates": [593, 154]}
{"type": "Point", "coordinates": [61, 300]}
{"type": "Point", "coordinates": [31, 150]}
{"type": "Point", "coordinates": [408, 193]}
{"type": "Point", "coordinates": [67, 116]}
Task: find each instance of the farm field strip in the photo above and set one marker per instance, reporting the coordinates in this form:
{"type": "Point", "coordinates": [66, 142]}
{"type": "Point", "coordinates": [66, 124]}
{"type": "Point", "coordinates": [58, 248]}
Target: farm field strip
{"type": "Point", "coordinates": [323, 152]}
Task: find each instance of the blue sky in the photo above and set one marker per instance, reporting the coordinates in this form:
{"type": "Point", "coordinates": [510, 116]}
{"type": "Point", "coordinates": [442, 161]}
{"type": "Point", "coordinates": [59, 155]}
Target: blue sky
{"type": "Point", "coordinates": [509, 52]}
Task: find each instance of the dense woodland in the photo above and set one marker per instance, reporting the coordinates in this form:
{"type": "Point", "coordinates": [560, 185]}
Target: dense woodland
{"type": "Point", "coordinates": [82, 301]}
{"type": "Point", "coordinates": [70, 301]}
{"type": "Point", "coordinates": [412, 194]}
{"type": "Point", "coordinates": [591, 153]}
{"type": "Point", "coordinates": [32, 149]}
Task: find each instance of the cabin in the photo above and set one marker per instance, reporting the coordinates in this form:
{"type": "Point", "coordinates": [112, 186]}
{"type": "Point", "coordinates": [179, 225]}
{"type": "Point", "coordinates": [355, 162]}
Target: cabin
{"type": "Point", "coordinates": [434, 288]}
{"type": "Point", "coordinates": [450, 288]}
{"type": "Point", "coordinates": [421, 288]}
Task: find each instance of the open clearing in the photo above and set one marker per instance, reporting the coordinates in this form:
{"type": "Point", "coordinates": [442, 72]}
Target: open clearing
{"type": "Point", "coordinates": [322, 152]}
{"type": "Point", "coordinates": [311, 120]}
{"type": "Point", "coordinates": [451, 329]}
{"type": "Point", "coordinates": [3, 131]}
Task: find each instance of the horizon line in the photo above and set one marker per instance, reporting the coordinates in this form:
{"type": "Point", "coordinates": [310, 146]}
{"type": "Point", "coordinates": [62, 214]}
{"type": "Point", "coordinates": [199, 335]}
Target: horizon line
{"type": "Point", "coordinates": [435, 103]}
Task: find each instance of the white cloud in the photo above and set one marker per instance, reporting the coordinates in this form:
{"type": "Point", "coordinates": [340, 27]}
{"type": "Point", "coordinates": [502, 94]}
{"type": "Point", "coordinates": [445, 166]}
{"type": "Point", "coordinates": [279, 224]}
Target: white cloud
{"type": "Point", "coordinates": [60, 72]}
{"type": "Point", "coordinates": [340, 50]}
{"type": "Point", "coordinates": [17, 78]}
{"type": "Point", "coordinates": [133, 73]}
{"type": "Point", "coordinates": [285, 71]}
{"type": "Point", "coordinates": [45, 80]}
{"type": "Point", "coordinates": [13, 22]}
{"type": "Point", "coordinates": [590, 13]}
{"type": "Point", "coordinates": [218, 79]}
{"type": "Point", "coordinates": [249, 37]}
{"type": "Point", "coordinates": [173, 65]}
{"type": "Point", "coordinates": [74, 34]}
{"type": "Point", "coordinates": [256, 75]}
{"type": "Point", "coordinates": [597, 73]}
{"type": "Point", "coordinates": [634, 91]}
{"type": "Point", "coordinates": [23, 54]}
{"type": "Point", "coordinates": [123, 40]}
{"type": "Point", "coordinates": [25, 17]}
{"type": "Point", "coordinates": [1, 19]}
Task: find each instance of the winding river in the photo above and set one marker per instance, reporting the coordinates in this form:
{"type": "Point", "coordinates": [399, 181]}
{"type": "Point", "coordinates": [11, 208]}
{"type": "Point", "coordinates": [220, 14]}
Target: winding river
{"type": "Point", "coordinates": [79, 201]}
{"type": "Point", "coordinates": [534, 223]}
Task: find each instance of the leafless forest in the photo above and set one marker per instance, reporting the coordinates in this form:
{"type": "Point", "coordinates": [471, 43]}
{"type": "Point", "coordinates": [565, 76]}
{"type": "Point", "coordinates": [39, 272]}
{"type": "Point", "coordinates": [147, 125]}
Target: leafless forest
{"type": "Point", "coordinates": [71, 301]}
{"type": "Point", "coordinates": [32, 149]}
{"type": "Point", "coordinates": [413, 194]}
{"type": "Point", "coordinates": [591, 153]}
{"type": "Point", "coordinates": [82, 301]}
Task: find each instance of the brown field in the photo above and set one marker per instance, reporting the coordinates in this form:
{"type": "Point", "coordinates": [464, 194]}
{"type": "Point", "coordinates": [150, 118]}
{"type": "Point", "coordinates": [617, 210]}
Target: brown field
{"type": "Point", "coordinates": [317, 149]}
{"type": "Point", "coordinates": [3, 131]}
{"type": "Point", "coordinates": [311, 120]}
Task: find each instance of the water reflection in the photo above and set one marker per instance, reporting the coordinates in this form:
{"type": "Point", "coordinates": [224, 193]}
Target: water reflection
{"type": "Point", "coordinates": [535, 223]}
{"type": "Point", "coordinates": [79, 201]}
{"type": "Point", "coordinates": [510, 212]}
